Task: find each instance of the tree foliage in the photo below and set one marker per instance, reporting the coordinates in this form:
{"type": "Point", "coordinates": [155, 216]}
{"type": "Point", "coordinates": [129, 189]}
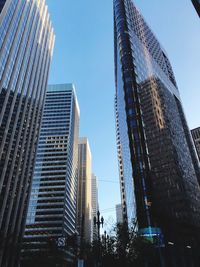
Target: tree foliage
{"type": "Point", "coordinates": [122, 248]}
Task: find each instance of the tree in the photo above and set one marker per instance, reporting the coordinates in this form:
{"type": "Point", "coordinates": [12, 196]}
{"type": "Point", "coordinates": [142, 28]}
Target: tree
{"type": "Point", "coordinates": [125, 248]}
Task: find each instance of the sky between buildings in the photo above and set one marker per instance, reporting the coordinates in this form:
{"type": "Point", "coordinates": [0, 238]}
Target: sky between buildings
{"type": "Point", "coordinates": [84, 54]}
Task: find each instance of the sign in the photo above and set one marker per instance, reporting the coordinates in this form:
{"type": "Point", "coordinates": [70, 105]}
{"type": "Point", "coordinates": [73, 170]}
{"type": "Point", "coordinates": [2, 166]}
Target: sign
{"type": "Point", "coordinates": [153, 235]}
{"type": "Point", "coordinates": [80, 263]}
{"type": "Point", "coordinates": [61, 242]}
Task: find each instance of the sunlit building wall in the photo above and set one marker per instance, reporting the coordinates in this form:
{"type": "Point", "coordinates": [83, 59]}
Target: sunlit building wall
{"type": "Point", "coordinates": [26, 46]}
{"type": "Point", "coordinates": [84, 208]}
{"type": "Point", "coordinates": [52, 207]}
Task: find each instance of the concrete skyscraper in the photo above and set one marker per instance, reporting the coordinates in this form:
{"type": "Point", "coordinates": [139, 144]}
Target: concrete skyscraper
{"type": "Point", "coordinates": [84, 204]}
{"type": "Point", "coordinates": [26, 46]}
{"type": "Point", "coordinates": [159, 170]}
{"type": "Point", "coordinates": [95, 204]}
{"type": "Point", "coordinates": [52, 207]}
{"type": "Point", "coordinates": [119, 214]}
{"type": "Point", "coordinates": [196, 138]}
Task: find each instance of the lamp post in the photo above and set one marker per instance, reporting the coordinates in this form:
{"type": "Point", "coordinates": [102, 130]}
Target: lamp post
{"type": "Point", "coordinates": [98, 222]}
{"type": "Point", "coordinates": [105, 241]}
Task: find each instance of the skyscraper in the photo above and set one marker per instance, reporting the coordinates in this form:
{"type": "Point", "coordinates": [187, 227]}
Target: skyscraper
{"type": "Point", "coordinates": [26, 46]}
{"type": "Point", "coordinates": [52, 207]}
{"type": "Point", "coordinates": [95, 204]}
{"type": "Point", "coordinates": [2, 3]}
{"type": "Point", "coordinates": [84, 204]}
{"type": "Point", "coordinates": [119, 213]}
{"type": "Point", "coordinates": [159, 169]}
{"type": "Point", "coordinates": [196, 138]}
{"type": "Point", "coordinates": [196, 4]}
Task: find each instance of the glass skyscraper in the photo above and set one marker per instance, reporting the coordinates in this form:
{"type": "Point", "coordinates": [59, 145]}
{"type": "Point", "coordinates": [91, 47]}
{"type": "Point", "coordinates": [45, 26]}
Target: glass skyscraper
{"type": "Point", "coordinates": [52, 207]}
{"type": "Point", "coordinates": [196, 4]}
{"type": "Point", "coordinates": [26, 45]}
{"type": "Point", "coordinates": [159, 170]}
{"type": "Point", "coordinates": [196, 138]}
{"type": "Point", "coordinates": [2, 3]}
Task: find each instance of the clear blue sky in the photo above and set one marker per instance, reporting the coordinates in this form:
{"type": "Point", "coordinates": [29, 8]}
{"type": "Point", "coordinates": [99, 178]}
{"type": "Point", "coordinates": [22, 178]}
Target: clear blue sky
{"type": "Point", "coordinates": [84, 56]}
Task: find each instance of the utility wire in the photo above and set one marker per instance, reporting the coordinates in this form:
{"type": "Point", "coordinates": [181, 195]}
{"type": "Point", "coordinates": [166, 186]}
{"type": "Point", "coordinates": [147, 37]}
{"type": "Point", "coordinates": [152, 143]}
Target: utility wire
{"type": "Point", "coordinates": [113, 208]}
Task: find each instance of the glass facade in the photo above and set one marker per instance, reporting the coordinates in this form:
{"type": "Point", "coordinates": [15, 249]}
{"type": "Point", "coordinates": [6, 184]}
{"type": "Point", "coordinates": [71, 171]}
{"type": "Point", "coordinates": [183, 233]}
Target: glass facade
{"type": "Point", "coordinates": [196, 4]}
{"type": "Point", "coordinates": [196, 138]}
{"type": "Point", "coordinates": [52, 207]}
{"type": "Point", "coordinates": [26, 46]}
{"type": "Point", "coordinates": [2, 3]}
{"type": "Point", "coordinates": [159, 171]}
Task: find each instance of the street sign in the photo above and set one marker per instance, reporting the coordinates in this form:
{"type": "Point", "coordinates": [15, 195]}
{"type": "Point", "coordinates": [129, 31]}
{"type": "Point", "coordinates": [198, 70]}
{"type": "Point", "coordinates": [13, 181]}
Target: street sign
{"type": "Point", "coordinates": [154, 235]}
{"type": "Point", "coordinates": [80, 263]}
{"type": "Point", "coordinates": [61, 242]}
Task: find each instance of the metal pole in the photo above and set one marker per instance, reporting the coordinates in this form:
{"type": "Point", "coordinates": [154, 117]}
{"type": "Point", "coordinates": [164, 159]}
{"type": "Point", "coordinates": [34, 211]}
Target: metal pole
{"type": "Point", "coordinates": [98, 222]}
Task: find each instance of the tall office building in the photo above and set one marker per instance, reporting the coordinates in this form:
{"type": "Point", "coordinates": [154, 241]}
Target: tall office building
{"type": "Point", "coordinates": [196, 138]}
{"type": "Point", "coordinates": [26, 45]}
{"type": "Point", "coordinates": [52, 206]}
{"type": "Point", "coordinates": [196, 4]}
{"type": "Point", "coordinates": [84, 204]}
{"type": "Point", "coordinates": [159, 169]}
{"type": "Point", "coordinates": [2, 3]}
{"type": "Point", "coordinates": [95, 204]}
{"type": "Point", "coordinates": [119, 214]}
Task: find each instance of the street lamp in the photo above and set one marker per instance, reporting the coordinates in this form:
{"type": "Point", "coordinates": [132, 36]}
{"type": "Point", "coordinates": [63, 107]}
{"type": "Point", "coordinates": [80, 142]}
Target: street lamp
{"type": "Point", "coordinates": [98, 222]}
{"type": "Point", "coordinates": [105, 238]}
